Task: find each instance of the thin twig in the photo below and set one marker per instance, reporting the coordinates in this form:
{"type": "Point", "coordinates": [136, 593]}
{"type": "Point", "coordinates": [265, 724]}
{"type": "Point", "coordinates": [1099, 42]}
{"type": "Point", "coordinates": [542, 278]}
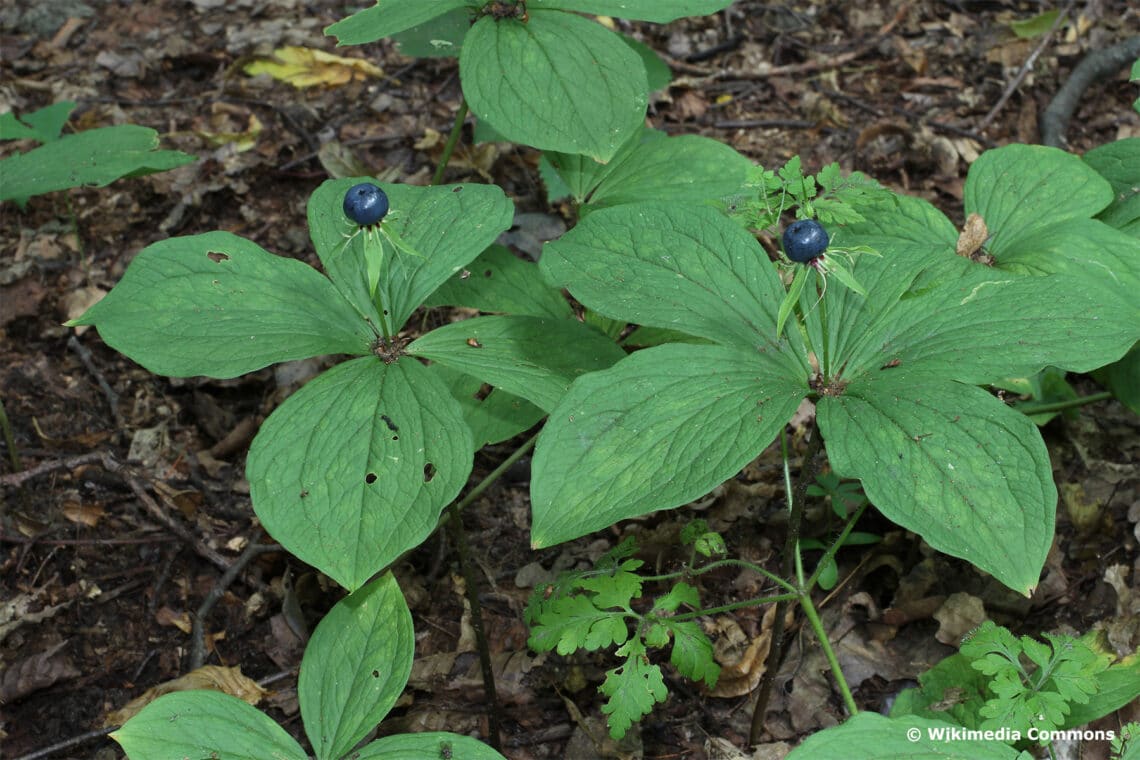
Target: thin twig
{"type": "Point", "coordinates": [197, 627]}
{"type": "Point", "coordinates": [112, 397]}
{"type": "Point", "coordinates": [1026, 67]}
{"type": "Point", "coordinates": [68, 743]}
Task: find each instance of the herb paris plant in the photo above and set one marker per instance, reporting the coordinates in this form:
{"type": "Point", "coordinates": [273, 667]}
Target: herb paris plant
{"type": "Point", "coordinates": [897, 370]}
{"type": "Point", "coordinates": [536, 71]}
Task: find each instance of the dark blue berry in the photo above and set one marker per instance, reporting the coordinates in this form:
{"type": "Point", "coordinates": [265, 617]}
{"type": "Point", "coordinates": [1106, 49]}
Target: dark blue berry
{"type": "Point", "coordinates": [365, 204]}
{"type": "Point", "coordinates": [805, 240]}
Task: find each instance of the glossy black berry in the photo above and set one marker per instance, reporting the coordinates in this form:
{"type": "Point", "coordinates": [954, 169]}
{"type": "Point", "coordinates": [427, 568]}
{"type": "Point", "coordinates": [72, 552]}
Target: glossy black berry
{"type": "Point", "coordinates": [805, 240]}
{"type": "Point", "coordinates": [365, 204]}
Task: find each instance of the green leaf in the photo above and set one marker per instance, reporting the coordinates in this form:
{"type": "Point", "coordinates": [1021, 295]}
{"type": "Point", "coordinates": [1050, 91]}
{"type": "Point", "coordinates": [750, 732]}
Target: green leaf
{"type": "Point", "coordinates": [218, 305]}
{"type": "Point", "coordinates": [440, 37]}
{"type": "Point", "coordinates": [692, 653]}
{"type": "Point", "coordinates": [632, 689]}
{"type": "Point", "coordinates": [870, 736]}
{"type": "Point", "coordinates": [657, 11]}
{"type": "Point", "coordinates": [681, 593]}
{"type": "Point", "coordinates": [94, 158]}
{"type": "Point", "coordinates": [951, 463]}
{"type": "Point", "coordinates": [616, 589]}
{"type": "Point", "coordinates": [426, 745]}
{"type": "Point", "coordinates": [1018, 189]}
{"type": "Point", "coordinates": [493, 417]}
{"type": "Point", "coordinates": [500, 282]}
{"type": "Point", "coordinates": [574, 622]}
{"type": "Point", "coordinates": [354, 468]}
{"type": "Point", "coordinates": [1035, 26]}
{"type": "Point", "coordinates": [447, 226]}
{"type": "Point", "coordinates": [42, 126]}
{"type": "Point", "coordinates": [356, 666]}
{"type": "Point", "coordinates": [651, 166]}
{"type": "Point", "coordinates": [558, 82]}
{"type": "Point", "coordinates": [204, 724]}
{"type": "Point", "coordinates": [952, 691]}
{"type": "Point", "coordinates": [658, 75]}
{"type": "Point", "coordinates": [388, 17]}
{"type": "Point", "coordinates": [686, 268]}
{"type": "Point", "coordinates": [1119, 163]}
{"type": "Point", "coordinates": [658, 429]}
{"type": "Point", "coordinates": [1123, 378]}
{"type": "Point", "coordinates": [531, 357]}
{"type": "Point", "coordinates": [1116, 687]}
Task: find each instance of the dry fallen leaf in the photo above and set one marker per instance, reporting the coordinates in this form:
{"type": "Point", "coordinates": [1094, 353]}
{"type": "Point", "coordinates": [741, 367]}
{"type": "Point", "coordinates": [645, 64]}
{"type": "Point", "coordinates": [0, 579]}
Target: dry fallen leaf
{"type": "Point", "coordinates": [226, 680]}
{"type": "Point", "coordinates": [305, 67]}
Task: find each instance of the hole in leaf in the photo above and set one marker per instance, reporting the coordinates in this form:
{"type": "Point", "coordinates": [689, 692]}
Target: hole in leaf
{"type": "Point", "coordinates": [429, 472]}
{"type": "Point", "coordinates": [370, 478]}
{"type": "Point", "coordinates": [483, 392]}
{"type": "Point", "coordinates": [487, 273]}
{"type": "Point", "coordinates": [457, 188]}
{"type": "Point", "coordinates": [216, 257]}
{"type": "Point", "coordinates": [388, 421]}
{"type": "Point", "coordinates": [375, 673]}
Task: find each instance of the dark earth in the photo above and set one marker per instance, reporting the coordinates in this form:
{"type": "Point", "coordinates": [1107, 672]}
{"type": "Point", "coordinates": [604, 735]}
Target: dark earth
{"type": "Point", "coordinates": [136, 505]}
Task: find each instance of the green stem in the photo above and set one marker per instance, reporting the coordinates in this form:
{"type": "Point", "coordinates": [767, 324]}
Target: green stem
{"type": "Point", "coordinates": [828, 651]}
{"type": "Point", "coordinates": [825, 360]}
{"type": "Point", "coordinates": [831, 550]}
{"type": "Point", "coordinates": [496, 473]}
{"type": "Point", "coordinates": [1032, 407]}
{"type": "Point", "coordinates": [452, 139]}
{"type": "Point", "coordinates": [795, 503]}
{"type": "Point", "coordinates": [725, 563]}
{"type": "Point", "coordinates": [736, 606]}
{"type": "Point", "coordinates": [9, 439]}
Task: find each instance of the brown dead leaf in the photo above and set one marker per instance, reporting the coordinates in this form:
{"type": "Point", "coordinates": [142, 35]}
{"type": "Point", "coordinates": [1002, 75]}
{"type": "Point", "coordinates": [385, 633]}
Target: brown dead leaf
{"type": "Point", "coordinates": [167, 616]}
{"type": "Point", "coordinates": [20, 299]}
{"type": "Point", "coordinates": [226, 680]}
{"type": "Point", "coordinates": [34, 673]}
{"type": "Point", "coordinates": [742, 669]}
{"type": "Point", "coordinates": [960, 614]}
{"type": "Point", "coordinates": [83, 514]}
{"type": "Point", "coordinates": [974, 236]}
{"type": "Point", "coordinates": [690, 105]}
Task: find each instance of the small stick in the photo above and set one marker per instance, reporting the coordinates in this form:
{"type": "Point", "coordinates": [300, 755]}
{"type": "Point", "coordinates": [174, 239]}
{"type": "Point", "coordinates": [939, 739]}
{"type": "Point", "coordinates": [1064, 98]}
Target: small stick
{"type": "Point", "coordinates": [1025, 67]}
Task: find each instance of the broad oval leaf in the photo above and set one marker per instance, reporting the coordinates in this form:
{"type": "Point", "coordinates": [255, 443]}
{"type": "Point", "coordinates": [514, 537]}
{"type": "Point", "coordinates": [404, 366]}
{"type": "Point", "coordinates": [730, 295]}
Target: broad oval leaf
{"type": "Point", "coordinates": [354, 468]}
{"type": "Point", "coordinates": [657, 430]}
{"type": "Point", "coordinates": [657, 11]}
{"type": "Point", "coordinates": [493, 417]}
{"type": "Point", "coordinates": [430, 744]}
{"type": "Point", "coordinates": [218, 305]}
{"type": "Point", "coordinates": [93, 158]}
{"type": "Point", "coordinates": [447, 226]}
{"type": "Point", "coordinates": [557, 82]}
{"type": "Point", "coordinates": [500, 282]}
{"type": "Point", "coordinates": [356, 666]}
{"type": "Point", "coordinates": [531, 357]}
{"type": "Point", "coordinates": [205, 724]}
{"type": "Point", "coordinates": [1018, 189]}
{"type": "Point", "coordinates": [951, 463]}
{"type": "Point", "coordinates": [686, 268]}
{"type": "Point", "coordinates": [388, 17]}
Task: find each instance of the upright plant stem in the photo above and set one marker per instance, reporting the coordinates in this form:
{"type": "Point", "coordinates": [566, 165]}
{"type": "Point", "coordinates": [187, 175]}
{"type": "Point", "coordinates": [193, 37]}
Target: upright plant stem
{"type": "Point", "coordinates": [9, 439]}
{"type": "Point", "coordinates": [795, 519]}
{"type": "Point", "coordinates": [467, 567]}
{"type": "Point", "coordinates": [452, 139]}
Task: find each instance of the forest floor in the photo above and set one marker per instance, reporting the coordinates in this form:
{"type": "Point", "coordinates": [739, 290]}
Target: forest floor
{"type": "Point", "coordinates": [102, 567]}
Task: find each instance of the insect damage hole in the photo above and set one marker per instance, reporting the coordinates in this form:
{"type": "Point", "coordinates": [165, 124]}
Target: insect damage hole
{"type": "Point", "coordinates": [429, 472]}
{"type": "Point", "coordinates": [370, 478]}
{"type": "Point", "coordinates": [217, 257]}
